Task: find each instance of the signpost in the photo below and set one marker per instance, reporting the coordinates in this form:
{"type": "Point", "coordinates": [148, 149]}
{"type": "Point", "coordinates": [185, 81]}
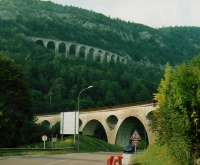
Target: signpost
{"type": "Point", "coordinates": [44, 139]}
{"type": "Point", "coordinates": [53, 141]}
{"type": "Point", "coordinates": [135, 139]}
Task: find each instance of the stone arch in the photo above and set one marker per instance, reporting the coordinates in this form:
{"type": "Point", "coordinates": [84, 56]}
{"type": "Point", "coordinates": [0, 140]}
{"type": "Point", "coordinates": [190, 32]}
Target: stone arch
{"type": "Point", "coordinates": [98, 55]}
{"type": "Point", "coordinates": [126, 129]}
{"type": "Point", "coordinates": [113, 58]}
{"type": "Point", "coordinates": [112, 121]}
{"type": "Point", "coordinates": [118, 59]}
{"type": "Point", "coordinates": [51, 45]}
{"type": "Point", "coordinates": [62, 48]}
{"type": "Point", "coordinates": [96, 129]}
{"type": "Point", "coordinates": [82, 52]}
{"type": "Point", "coordinates": [123, 60]}
{"type": "Point", "coordinates": [46, 124]}
{"type": "Point", "coordinates": [40, 42]}
{"type": "Point", "coordinates": [72, 50]}
{"type": "Point", "coordinates": [91, 54]}
{"type": "Point", "coordinates": [107, 57]}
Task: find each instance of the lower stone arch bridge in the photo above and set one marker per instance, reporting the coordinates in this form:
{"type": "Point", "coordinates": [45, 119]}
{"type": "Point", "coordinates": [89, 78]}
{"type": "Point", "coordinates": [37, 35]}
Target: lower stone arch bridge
{"type": "Point", "coordinates": [114, 125]}
{"type": "Point", "coordinates": [72, 49]}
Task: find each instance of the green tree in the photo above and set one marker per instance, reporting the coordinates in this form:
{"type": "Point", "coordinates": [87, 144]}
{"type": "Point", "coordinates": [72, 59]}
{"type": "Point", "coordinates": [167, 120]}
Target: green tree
{"type": "Point", "coordinates": [16, 119]}
{"type": "Point", "coordinates": [177, 118]}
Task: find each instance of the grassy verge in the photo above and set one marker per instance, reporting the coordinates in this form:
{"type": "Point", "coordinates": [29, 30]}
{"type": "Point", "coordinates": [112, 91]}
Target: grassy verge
{"type": "Point", "coordinates": [87, 144]}
{"type": "Point", "coordinates": [156, 155]}
{"type": "Point", "coordinates": [23, 152]}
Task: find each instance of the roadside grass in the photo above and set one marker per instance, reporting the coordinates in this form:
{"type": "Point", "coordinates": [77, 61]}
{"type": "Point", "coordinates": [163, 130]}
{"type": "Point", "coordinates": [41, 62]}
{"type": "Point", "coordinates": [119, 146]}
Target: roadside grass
{"type": "Point", "coordinates": [23, 152]}
{"type": "Point", "coordinates": [87, 144]}
{"type": "Point", "coordinates": [156, 155]}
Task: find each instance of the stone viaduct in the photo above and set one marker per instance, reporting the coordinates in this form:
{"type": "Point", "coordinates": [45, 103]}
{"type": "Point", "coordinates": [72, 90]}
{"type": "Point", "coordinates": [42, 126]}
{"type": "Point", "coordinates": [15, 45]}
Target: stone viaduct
{"type": "Point", "coordinates": [72, 49]}
{"type": "Point", "coordinates": [114, 125]}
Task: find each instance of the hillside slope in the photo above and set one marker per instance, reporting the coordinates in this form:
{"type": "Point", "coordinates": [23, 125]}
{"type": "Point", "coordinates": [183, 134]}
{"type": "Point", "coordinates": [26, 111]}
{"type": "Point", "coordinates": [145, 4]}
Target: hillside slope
{"type": "Point", "coordinates": [55, 82]}
{"type": "Point", "coordinates": [45, 19]}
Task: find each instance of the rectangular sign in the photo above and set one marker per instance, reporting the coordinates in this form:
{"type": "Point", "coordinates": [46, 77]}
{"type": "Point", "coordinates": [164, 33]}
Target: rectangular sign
{"type": "Point", "coordinates": [67, 123]}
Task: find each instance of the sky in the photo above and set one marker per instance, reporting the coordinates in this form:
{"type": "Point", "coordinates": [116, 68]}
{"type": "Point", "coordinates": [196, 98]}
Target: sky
{"type": "Point", "coordinates": [155, 13]}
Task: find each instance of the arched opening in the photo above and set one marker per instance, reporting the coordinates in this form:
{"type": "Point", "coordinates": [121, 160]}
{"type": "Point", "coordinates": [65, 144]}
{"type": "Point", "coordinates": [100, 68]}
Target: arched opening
{"type": "Point", "coordinates": [112, 121]}
{"type": "Point", "coordinates": [40, 42]}
{"type": "Point", "coordinates": [82, 52]}
{"type": "Point", "coordinates": [91, 54]}
{"type": "Point", "coordinates": [112, 58]}
{"type": "Point", "coordinates": [45, 123]}
{"type": "Point", "coordinates": [98, 56]}
{"type": "Point", "coordinates": [126, 129]}
{"type": "Point", "coordinates": [51, 45]}
{"type": "Point", "coordinates": [62, 48]}
{"type": "Point", "coordinates": [72, 50]}
{"type": "Point", "coordinates": [95, 129]}
{"type": "Point", "coordinates": [118, 59]}
{"type": "Point", "coordinates": [123, 60]}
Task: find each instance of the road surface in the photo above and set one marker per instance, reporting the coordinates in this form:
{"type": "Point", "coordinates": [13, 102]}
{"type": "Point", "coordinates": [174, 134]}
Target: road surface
{"type": "Point", "coordinates": [67, 159]}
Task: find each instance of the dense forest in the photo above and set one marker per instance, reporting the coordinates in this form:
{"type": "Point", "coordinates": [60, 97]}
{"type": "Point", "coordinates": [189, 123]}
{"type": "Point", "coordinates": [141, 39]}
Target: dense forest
{"type": "Point", "coordinates": [54, 82]}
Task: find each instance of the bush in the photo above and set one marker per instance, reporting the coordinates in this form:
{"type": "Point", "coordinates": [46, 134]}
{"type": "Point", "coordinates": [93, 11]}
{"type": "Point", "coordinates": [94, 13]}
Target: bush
{"type": "Point", "coordinates": [178, 116]}
{"type": "Point", "coordinates": [156, 155]}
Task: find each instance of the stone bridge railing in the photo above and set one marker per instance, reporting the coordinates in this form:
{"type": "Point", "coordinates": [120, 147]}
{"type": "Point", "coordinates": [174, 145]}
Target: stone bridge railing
{"type": "Point", "coordinates": [72, 49]}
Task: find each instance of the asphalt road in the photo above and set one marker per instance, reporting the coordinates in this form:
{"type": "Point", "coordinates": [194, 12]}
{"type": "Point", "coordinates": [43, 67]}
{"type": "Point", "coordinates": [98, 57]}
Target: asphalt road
{"type": "Point", "coordinates": [67, 159]}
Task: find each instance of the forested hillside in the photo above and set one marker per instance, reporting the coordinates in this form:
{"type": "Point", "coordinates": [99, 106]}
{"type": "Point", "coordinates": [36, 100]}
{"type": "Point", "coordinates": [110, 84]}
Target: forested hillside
{"type": "Point", "coordinates": [54, 82]}
{"type": "Point", "coordinates": [45, 19]}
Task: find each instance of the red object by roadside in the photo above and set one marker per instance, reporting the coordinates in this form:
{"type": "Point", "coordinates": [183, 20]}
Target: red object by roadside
{"type": "Point", "coordinates": [114, 160]}
{"type": "Point", "coordinates": [110, 160]}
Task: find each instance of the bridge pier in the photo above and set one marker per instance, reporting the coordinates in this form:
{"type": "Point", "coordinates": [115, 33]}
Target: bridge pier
{"type": "Point", "coordinates": [87, 52]}
{"type": "Point", "coordinates": [56, 47]}
{"type": "Point", "coordinates": [111, 137]}
{"type": "Point", "coordinates": [67, 50]}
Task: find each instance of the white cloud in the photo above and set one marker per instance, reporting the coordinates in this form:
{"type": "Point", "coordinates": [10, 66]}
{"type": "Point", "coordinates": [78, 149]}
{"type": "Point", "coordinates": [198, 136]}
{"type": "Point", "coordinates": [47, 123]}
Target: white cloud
{"type": "Point", "coordinates": [150, 12]}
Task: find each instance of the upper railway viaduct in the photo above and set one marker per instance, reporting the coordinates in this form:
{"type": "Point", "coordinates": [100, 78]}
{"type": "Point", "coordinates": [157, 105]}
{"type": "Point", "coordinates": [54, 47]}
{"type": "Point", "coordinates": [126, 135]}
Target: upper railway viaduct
{"type": "Point", "coordinates": [69, 49]}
